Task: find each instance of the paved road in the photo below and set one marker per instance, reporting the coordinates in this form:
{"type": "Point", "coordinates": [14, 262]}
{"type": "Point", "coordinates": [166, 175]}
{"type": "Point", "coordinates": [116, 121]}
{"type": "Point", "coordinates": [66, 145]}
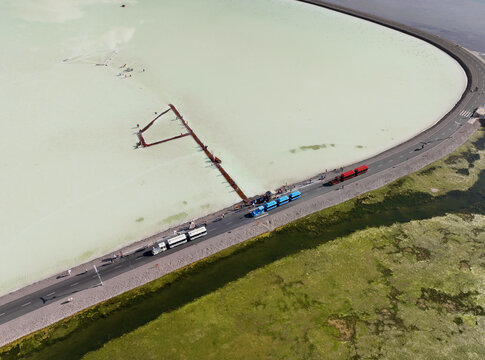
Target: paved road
{"type": "Point", "coordinates": [451, 123]}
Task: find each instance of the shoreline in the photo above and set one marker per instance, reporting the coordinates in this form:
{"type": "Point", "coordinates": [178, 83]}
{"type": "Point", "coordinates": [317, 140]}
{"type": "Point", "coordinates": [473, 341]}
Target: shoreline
{"type": "Point", "coordinates": [50, 228]}
{"type": "Point", "coordinates": [54, 312]}
{"type": "Point", "coordinates": [47, 315]}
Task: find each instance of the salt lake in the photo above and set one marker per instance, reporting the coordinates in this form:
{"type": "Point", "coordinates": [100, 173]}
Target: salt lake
{"type": "Point", "coordinates": [277, 89]}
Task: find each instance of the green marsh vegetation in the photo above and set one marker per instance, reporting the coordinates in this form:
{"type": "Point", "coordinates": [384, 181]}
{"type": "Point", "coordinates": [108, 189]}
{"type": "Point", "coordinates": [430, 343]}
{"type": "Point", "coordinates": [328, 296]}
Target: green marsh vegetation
{"type": "Point", "coordinates": [396, 273]}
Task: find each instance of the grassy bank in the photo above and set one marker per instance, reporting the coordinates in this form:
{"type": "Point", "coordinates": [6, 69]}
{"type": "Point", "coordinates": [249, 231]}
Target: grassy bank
{"type": "Point", "coordinates": [413, 290]}
{"type": "Point", "coordinates": [379, 273]}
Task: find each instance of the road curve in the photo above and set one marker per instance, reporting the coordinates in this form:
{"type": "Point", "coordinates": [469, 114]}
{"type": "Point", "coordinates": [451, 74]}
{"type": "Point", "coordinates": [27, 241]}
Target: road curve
{"type": "Point", "coordinates": [474, 68]}
{"type": "Point", "coordinates": [405, 152]}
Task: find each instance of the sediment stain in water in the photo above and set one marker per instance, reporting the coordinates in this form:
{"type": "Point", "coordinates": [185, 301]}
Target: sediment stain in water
{"type": "Point", "coordinates": [175, 217]}
{"type": "Point", "coordinates": [313, 147]}
{"type": "Point", "coordinates": [309, 147]}
{"type": "Point", "coordinates": [87, 254]}
{"type": "Point", "coordinates": [319, 147]}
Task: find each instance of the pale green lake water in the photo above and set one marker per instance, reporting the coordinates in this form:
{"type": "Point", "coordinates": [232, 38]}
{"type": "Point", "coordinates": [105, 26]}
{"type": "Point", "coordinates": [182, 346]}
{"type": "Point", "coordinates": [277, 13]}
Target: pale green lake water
{"type": "Point", "coordinates": [261, 82]}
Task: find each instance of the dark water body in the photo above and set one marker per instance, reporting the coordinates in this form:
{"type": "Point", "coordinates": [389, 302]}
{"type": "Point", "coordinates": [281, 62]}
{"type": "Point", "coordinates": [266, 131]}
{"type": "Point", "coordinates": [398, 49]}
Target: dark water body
{"type": "Point", "coordinates": [305, 234]}
{"type": "Point", "coordinates": [461, 21]}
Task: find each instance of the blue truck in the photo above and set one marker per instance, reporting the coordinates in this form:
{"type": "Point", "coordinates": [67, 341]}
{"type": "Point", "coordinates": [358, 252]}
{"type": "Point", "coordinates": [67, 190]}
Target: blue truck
{"type": "Point", "coordinates": [260, 210]}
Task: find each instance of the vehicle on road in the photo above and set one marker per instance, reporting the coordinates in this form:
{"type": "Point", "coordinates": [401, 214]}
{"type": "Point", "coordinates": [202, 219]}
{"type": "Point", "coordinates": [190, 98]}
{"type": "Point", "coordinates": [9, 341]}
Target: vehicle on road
{"type": "Point", "coordinates": [282, 200]}
{"type": "Point", "coordinates": [258, 211]}
{"type": "Point", "coordinates": [348, 175]}
{"type": "Point", "coordinates": [270, 205]}
{"type": "Point", "coordinates": [178, 240]}
{"type": "Point", "coordinates": [197, 233]}
{"type": "Point", "coordinates": [294, 195]}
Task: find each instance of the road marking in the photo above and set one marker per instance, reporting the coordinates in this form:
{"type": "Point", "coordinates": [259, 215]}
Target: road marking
{"type": "Point", "coordinates": [2, 314]}
{"type": "Point", "coordinates": [118, 266]}
{"type": "Point", "coordinates": [74, 284]}
{"type": "Point", "coordinates": [52, 293]}
{"type": "Point", "coordinates": [466, 113]}
{"type": "Point", "coordinates": [25, 304]}
{"type": "Point", "coordinates": [379, 165]}
{"type": "Point", "coordinates": [94, 276]}
{"type": "Point", "coordinates": [138, 258]}
{"type": "Point", "coordinates": [391, 160]}
{"type": "Point", "coordinates": [401, 156]}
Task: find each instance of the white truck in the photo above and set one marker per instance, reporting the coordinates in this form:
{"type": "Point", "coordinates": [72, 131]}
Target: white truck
{"type": "Point", "coordinates": [159, 247]}
{"type": "Point", "coordinates": [178, 240]}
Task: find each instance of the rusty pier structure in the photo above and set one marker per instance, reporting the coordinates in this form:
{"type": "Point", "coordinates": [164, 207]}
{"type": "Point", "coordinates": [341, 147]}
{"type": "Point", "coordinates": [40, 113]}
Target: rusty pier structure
{"type": "Point", "coordinates": [142, 141]}
{"type": "Point", "coordinates": [214, 159]}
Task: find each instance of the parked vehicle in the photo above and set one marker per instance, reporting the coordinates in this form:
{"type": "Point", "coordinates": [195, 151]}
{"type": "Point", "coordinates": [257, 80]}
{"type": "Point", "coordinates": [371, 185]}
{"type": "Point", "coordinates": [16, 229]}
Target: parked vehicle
{"type": "Point", "coordinates": [294, 195]}
{"type": "Point", "coordinates": [179, 240]}
{"type": "Point", "coordinates": [258, 211]}
{"type": "Point", "coordinates": [282, 200]}
{"type": "Point", "coordinates": [270, 205]}
{"type": "Point", "coordinates": [349, 175]}
{"type": "Point", "coordinates": [197, 233]}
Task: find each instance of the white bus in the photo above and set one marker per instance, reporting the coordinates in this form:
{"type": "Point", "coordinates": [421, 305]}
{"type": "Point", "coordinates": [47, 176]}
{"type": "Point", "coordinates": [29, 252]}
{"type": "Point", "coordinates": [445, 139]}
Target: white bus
{"type": "Point", "coordinates": [176, 241]}
{"type": "Point", "coordinates": [197, 233]}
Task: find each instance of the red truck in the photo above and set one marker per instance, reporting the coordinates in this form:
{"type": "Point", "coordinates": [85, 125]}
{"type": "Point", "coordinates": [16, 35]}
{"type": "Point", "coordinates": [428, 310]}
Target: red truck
{"type": "Point", "coordinates": [349, 174]}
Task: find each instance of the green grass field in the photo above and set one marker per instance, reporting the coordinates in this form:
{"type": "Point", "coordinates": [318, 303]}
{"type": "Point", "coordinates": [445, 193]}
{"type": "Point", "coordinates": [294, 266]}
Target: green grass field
{"type": "Point", "coordinates": [413, 290]}
{"type": "Point", "coordinates": [397, 273]}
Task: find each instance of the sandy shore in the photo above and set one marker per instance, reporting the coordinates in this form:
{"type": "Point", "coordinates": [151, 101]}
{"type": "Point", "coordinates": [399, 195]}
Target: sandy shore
{"type": "Point", "coordinates": [56, 311]}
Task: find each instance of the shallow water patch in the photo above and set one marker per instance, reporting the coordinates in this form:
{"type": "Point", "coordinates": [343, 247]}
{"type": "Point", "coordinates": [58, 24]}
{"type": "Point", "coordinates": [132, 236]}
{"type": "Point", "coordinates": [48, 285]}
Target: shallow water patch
{"type": "Point", "coordinates": [178, 216]}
